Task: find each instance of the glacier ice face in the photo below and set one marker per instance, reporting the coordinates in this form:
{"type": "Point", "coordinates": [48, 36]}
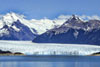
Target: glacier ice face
{"type": "Point", "coordinates": [29, 48]}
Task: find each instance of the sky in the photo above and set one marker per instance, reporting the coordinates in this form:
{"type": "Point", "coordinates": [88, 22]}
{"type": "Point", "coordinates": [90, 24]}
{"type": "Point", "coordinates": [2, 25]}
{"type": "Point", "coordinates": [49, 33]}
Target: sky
{"type": "Point", "coordinates": [51, 9]}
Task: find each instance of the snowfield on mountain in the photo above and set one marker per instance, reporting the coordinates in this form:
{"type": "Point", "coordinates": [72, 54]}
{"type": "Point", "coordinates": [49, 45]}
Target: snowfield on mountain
{"type": "Point", "coordinates": [15, 27]}
{"type": "Point", "coordinates": [39, 25]}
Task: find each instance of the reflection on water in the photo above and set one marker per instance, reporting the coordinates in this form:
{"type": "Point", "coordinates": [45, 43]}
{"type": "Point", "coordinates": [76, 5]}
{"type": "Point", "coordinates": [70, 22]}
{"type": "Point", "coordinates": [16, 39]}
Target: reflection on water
{"type": "Point", "coordinates": [49, 64]}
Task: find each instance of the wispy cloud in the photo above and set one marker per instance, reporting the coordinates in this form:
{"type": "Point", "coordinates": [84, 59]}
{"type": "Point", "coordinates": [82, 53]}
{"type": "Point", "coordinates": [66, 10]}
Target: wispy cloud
{"type": "Point", "coordinates": [83, 17]}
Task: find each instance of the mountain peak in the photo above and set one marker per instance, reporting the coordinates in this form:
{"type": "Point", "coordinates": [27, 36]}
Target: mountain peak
{"type": "Point", "coordinates": [9, 18]}
{"type": "Point", "coordinates": [74, 17]}
{"type": "Point", "coordinates": [74, 22]}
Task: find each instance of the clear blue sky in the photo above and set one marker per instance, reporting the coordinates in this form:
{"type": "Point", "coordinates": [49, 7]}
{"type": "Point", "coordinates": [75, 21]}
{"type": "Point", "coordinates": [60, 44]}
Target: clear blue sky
{"type": "Point", "coordinates": [50, 8]}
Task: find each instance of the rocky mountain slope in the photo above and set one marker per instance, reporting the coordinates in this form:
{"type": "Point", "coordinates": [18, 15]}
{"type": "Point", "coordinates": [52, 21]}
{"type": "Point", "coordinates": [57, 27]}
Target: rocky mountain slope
{"type": "Point", "coordinates": [74, 31]}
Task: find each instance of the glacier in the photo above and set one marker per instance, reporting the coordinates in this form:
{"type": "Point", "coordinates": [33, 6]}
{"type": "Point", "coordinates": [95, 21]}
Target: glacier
{"type": "Point", "coordinates": [29, 48]}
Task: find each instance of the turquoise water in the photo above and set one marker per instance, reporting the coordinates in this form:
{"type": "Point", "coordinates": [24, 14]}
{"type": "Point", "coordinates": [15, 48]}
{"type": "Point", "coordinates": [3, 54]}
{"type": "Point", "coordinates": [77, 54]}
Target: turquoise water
{"type": "Point", "coordinates": [49, 61]}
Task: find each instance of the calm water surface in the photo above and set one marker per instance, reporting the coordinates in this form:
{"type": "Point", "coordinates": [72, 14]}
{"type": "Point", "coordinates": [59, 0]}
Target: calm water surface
{"type": "Point", "coordinates": [49, 61]}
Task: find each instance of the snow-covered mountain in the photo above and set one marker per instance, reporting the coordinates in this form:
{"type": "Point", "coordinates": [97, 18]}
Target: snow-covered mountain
{"type": "Point", "coordinates": [15, 27]}
{"type": "Point", "coordinates": [74, 31]}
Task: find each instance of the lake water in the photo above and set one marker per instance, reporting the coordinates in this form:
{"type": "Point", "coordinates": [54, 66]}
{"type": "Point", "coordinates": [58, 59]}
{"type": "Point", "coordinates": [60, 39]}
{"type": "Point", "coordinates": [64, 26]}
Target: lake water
{"type": "Point", "coordinates": [49, 61]}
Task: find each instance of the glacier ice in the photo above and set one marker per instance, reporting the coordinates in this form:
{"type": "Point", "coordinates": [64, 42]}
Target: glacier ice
{"type": "Point", "coordinates": [29, 48]}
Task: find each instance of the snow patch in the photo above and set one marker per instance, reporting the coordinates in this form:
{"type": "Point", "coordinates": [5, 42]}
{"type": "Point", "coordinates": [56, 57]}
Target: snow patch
{"type": "Point", "coordinates": [15, 28]}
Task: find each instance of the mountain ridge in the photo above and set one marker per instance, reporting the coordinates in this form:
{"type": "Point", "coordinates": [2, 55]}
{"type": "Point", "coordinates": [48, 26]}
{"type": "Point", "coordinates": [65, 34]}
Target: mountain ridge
{"type": "Point", "coordinates": [73, 31]}
{"type": "Point", "coordinates": [13, 24]}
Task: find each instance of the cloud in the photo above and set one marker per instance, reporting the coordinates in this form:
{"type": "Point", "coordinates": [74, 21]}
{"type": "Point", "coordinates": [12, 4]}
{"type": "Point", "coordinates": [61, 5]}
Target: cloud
{"type": "Point", "coordinates": [94, 17]}
{"type": "Point", "coordinates": [82, 17]}
{"type": "Point", "coordinates": [64, 16]}
{"type": "Point", "coordinates": [61, 17]}
{"type": "Point", "coordinates": [1, 16]}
